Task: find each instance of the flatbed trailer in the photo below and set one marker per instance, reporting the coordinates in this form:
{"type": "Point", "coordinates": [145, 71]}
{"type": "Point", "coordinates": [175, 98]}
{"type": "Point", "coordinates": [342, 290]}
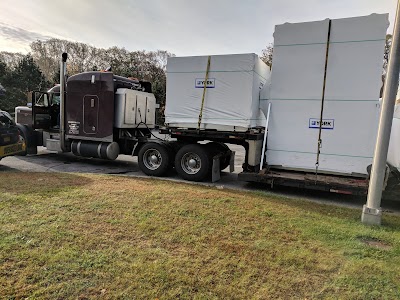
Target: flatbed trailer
{"type": "Point", "coordinates": [333, 183]}
{"type": "Point", "coordinates": [250, 140]}
{"type": "Point", "coordinates": [271, 177]}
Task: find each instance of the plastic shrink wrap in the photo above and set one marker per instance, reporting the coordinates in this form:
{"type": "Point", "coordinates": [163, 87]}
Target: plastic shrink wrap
{"type": "Point", "coordinates": [231, 101]}
{"type": "Point", "coordinates": [351, 106]}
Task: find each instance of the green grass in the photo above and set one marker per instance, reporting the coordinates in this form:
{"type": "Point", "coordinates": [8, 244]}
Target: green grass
{"type": "Point", "coordinates": [68, 236]}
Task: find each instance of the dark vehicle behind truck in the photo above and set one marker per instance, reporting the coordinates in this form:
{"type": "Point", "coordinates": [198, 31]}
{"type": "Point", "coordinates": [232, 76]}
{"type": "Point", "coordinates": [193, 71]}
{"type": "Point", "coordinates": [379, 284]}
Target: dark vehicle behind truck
{"type": "Point", "coordinates": [11, 142]}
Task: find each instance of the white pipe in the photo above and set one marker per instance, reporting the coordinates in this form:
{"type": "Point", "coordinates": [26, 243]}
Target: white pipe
{"type": "Point", "coordinates": [265, 136]}
{"type": "Point", "coordinates": [62, 100]}
{"type": "Point", "coordinates": [372, 212]}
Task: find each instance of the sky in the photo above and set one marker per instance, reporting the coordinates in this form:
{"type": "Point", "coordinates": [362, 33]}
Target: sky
{"type": "Point", "coordinates": [181, 27]}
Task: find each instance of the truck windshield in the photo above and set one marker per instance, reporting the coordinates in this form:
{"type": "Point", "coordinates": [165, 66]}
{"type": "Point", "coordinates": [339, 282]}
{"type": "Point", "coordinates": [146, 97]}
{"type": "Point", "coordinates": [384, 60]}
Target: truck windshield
{"type": "Point", "coordinates": [55, 99]}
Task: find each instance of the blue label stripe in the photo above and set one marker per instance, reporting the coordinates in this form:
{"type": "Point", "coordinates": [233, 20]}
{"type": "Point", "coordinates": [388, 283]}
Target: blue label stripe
{"type": "Point", "coordinates": [314, 123]}
{"type": "Point", "coordinates": [208, 86]}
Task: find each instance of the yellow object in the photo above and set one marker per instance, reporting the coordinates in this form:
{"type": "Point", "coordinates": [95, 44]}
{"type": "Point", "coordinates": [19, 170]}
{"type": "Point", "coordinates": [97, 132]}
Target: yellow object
{"type": "Point", "coordinates": [204, 92]}
{"type": "Point", "coordinates": [12, 149]}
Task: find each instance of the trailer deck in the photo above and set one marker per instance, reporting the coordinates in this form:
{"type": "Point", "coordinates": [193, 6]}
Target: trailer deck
{"type": "Point", "coordinates": [321, 182]}
{"type": "Point", "coordinates": [232, 137]}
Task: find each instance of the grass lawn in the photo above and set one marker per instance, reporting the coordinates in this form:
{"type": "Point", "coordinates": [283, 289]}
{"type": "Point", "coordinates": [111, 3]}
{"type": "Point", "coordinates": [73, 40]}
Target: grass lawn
{"type": "Point", "coordinates": [69, 236]}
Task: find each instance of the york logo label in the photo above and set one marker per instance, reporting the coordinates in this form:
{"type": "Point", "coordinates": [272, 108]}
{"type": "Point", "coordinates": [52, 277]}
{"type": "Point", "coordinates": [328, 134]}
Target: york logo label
{"type": "Point", "coordinates": [325, 124]}
{"type": "Point", "coordinates": [199, 83]}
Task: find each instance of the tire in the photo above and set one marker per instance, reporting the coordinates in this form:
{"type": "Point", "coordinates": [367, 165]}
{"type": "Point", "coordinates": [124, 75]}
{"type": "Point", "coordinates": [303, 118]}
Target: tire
{"type": "Point", "coordinates": [193, 162]}
{"type": "Point", "coordinates": [216, 148]}
{"type": "Point", "coordinates": [26, 134]}
{"type": "Point", "coordinates": [154, 159]}
{"type": "Point", "coordinates": [173, 147]}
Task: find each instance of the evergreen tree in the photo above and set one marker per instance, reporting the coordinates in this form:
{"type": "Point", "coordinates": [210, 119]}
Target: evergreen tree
{"type": "Point", "coordinates": [18, 82]}
{"type": "Point", "coordinates": [4, 82]}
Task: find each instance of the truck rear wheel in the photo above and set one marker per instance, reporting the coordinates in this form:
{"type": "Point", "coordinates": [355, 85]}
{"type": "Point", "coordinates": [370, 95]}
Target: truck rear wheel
{"type": "Point", "coordinates": [193, 162]}
{"type": "Point", "coordinates": [154, 159]}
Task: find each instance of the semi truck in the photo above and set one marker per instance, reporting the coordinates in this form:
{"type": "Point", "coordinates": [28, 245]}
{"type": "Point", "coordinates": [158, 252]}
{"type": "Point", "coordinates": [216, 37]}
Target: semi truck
{"type": "Point", "coordinates": [101, 115]}
{"type": "Point", "coordinates": [292, 135]}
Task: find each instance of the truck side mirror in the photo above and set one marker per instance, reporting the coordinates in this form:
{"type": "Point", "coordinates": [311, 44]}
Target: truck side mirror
{"type": "Point", "coordinates": [40, 98]}
{"type": "Point", "coordinates": [46, 100]}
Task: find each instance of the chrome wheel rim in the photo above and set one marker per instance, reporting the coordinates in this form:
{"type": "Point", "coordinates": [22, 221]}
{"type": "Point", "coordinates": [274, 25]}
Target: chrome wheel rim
{"type": "Point", "coordinates": [152, 159]}
{"type": "Point", "coordinates": [191, 163]}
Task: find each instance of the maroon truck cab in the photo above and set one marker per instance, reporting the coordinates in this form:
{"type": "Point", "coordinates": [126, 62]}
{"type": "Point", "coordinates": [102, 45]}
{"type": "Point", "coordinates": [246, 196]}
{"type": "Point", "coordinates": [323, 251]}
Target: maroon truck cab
{"type": "Point", "coordinates": [89, 106]}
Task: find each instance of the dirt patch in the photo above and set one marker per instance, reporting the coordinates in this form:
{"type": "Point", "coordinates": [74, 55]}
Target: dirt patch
{"type": "Point", "coordinates": [375, 243]}
{"type": "Point", "coordinates": [40, 183]}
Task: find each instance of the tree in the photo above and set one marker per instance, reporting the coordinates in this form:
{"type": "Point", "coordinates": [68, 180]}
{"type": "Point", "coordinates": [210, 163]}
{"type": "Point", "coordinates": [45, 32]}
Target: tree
{"type": "Point", "coordinates": [25, 77]}
{"type": "Point", "coordinates": [4, 74]}
{"type": "Point", "coordinates": [29, 76]}
{"type": "Point", "coordinates": [4, 70]}
{"type": "Point", "coordinates": [11, 59]}
{"type": "Point", "coordinates": [266, 55]}
{"type": "Point", "coordinates": [386, 53]}
{"type": "Point", "coordinates": [388, 45]}
{"type": "Point", "coordinates": [4, 83]}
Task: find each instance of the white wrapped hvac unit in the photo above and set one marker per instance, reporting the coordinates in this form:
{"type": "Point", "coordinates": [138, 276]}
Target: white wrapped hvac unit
{"type": "Point", "coordinates": [231, 99]}
{"type": "Point", "coordinates": [394, 146]}
{"type": "Point", "coordinates": [351, 104]}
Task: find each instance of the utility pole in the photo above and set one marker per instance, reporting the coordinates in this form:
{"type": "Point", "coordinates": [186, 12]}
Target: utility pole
{"type": "Point", "coordinates": [372, 212]}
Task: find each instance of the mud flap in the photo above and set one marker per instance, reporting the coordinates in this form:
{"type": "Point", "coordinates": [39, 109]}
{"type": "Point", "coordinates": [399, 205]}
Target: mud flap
{"type": "Point", "coordinates": [216, 171]}
{"type": "Point", "coordinates": [232, 162]}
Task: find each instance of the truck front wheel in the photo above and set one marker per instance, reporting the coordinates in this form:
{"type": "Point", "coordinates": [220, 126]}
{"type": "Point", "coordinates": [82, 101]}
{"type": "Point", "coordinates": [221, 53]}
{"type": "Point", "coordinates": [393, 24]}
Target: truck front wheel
{"type": "Point", "coordinates": [154, 159]}
{"type": "Point", "coordinates": [29, 135]}
{"type": "Point", "coordinates": [193, 162]}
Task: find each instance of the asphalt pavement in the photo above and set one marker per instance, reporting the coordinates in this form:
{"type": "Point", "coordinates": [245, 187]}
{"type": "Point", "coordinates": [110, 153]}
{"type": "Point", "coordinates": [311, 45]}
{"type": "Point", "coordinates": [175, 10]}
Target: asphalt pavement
{"type": "Point", "coordinates": [46, 161]}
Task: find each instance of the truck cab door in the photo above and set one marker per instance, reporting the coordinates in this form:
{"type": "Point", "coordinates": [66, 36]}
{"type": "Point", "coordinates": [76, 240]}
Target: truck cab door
{"type": "Point", "coordinates": [91, 105]}
{"type": "Point", "coordinates": [41, 116]}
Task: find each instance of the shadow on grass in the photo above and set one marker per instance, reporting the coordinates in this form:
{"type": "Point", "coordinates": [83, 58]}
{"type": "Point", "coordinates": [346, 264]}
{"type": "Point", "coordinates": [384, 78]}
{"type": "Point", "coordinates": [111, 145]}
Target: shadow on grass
{"type": "Point", "coordinates": [4, 168]}
{"type": "Point", "coordinates": [326, 204]}
{"type": "Point", "coordinates": [322, 197]}
{"type": "Point", "coordinates": [68, 158]}
{"type": "Point", "coordinates": [40, 183]}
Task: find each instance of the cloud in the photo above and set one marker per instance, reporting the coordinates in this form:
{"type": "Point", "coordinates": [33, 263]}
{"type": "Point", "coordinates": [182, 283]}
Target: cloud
{"type": "Point", "coordinates": [20, 35]}
{"type": "Point", "coordinates": [179, 26]}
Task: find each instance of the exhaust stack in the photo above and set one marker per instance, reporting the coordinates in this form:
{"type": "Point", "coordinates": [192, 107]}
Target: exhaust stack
{"type": "Point", "coordinates": [63, 69]}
